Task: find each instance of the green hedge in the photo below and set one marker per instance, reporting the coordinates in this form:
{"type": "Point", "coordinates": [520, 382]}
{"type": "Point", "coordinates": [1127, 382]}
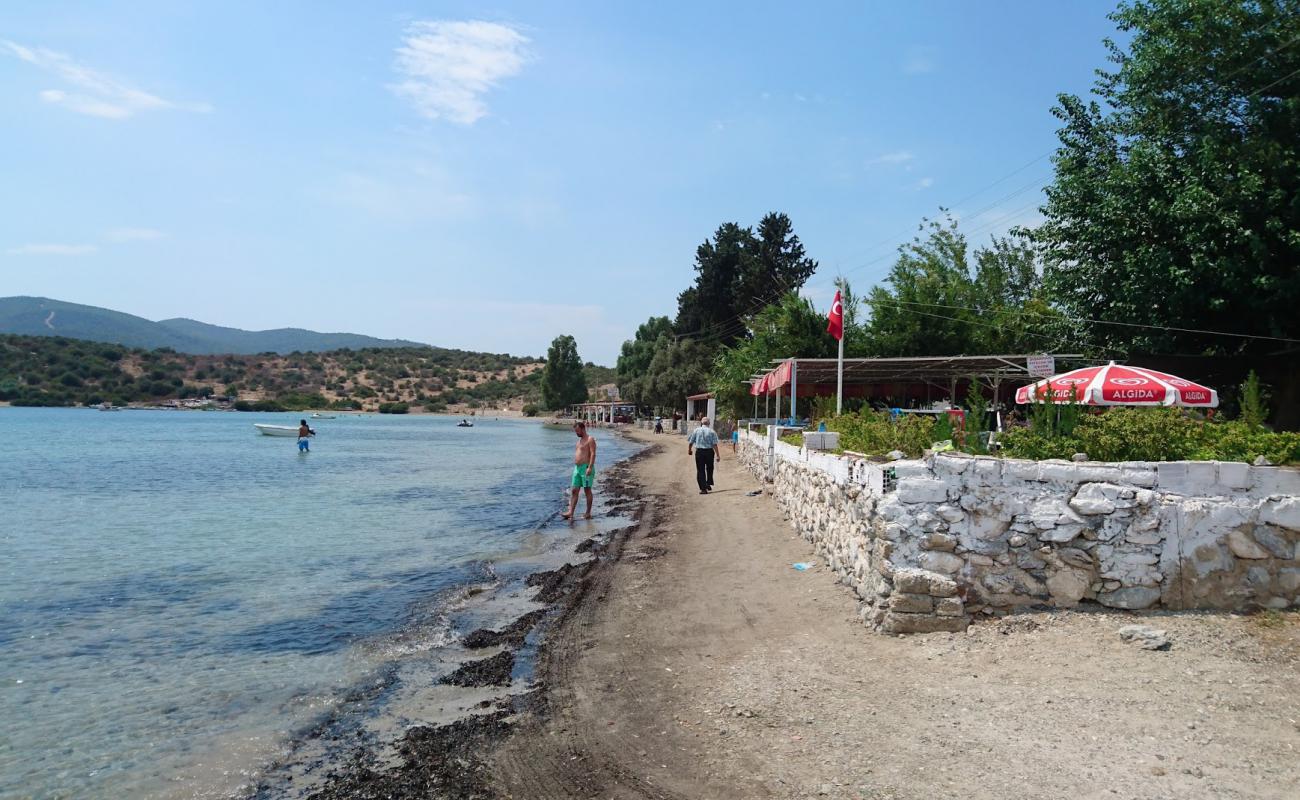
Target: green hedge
{"type": "Point", "coordinates": [1155, 434]}
{"type": "Point", "coordinates": [875, 433]}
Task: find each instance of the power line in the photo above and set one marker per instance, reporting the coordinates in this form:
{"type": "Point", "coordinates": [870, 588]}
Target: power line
{"type": "Point", "coordinates": [1112, 322]}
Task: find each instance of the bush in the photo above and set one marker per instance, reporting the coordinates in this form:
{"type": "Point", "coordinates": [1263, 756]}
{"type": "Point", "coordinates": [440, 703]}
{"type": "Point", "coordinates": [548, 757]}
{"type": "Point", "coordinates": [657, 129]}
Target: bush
{"type": "Point", "coordinates": [532, 410]}
{"type": "Point", "coordinates": [876, 433]}
{"type": "Point", "coordinates": [1155, 434]}
{"type": "Point", "coordinates": [393, 408]}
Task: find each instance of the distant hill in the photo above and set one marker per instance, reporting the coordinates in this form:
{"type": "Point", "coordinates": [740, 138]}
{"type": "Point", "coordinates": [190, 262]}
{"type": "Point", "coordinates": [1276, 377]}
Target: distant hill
{"type": "Point", "coordinates": [41, 316]}
{"type": "Point", "coordinates": [59, 371]}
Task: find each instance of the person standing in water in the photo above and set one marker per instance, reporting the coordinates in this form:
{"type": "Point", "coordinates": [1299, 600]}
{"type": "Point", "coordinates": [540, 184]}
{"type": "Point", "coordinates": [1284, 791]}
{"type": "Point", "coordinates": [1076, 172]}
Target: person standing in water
{"type": "Point", "coordinates": [584, 470]}
{"type": "Point", "coordinates": [304, 436]}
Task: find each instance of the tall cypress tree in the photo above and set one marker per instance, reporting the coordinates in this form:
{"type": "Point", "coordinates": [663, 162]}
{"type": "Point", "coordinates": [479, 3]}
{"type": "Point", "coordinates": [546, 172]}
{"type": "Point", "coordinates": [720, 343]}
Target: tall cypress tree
{"type": "Point", "coordinates": [563, 382]}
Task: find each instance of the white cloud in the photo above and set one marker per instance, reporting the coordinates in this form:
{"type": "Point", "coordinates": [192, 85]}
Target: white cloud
{"type": "Point", "coordinates": [134, 235]}
{"type": "Point", "coordinates": [52, 250]}
{"type": "Point", "coordinates": [919, 61]}
{"type": "Point", "coordinates": [924, 183]}
{"type": "Point", "coordinates": [93, 93]}
{"type": "Point", "coordinates": [447, 66]}
{"type": "Point", "coordinates": [896, 157]}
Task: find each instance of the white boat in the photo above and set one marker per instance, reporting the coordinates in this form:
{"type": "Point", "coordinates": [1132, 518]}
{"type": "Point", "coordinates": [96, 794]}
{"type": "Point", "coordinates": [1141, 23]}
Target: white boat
{"type": "Point", "coordinates": [324, 416]}
{"type": "Point", "coordinates": [108, 407]}
{"type": "Point", "coordinates": [464, 424]}
{"type": "Point", "coordinates": [276, 430]}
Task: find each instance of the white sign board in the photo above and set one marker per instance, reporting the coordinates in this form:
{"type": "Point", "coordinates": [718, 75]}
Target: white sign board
{"type": "Point", "coordinates": [1041, 366]}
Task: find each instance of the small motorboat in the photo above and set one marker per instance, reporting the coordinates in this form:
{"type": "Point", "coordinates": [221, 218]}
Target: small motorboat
{"type": "Point", "coordinates": [276, 430]}
{"type": "Point", "coordinates": [464, 423]}
{"type": "Point", "coordinates": [109, 407]}
{"type": "Point", "coordinates": [324, 416]}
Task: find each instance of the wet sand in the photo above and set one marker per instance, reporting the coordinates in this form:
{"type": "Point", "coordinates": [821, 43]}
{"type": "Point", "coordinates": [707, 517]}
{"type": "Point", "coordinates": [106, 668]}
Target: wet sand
{"type": "Point", "coordinates": [690, 660]}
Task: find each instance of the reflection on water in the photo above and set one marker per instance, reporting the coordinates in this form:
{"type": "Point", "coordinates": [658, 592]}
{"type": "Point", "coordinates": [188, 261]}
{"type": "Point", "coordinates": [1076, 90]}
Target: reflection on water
{"type": "Point", "coordinates": [178, 595]}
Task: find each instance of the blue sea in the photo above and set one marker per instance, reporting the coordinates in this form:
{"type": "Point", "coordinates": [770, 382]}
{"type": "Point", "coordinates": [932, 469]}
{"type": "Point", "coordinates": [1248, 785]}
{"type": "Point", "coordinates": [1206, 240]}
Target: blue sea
{"type": "Point", "coordinates": [181, 599]}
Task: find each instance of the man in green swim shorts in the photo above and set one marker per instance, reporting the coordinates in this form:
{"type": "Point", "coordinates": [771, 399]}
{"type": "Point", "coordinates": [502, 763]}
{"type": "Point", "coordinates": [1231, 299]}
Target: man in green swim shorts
{"type": "Point", "coordinates": [584, 470]}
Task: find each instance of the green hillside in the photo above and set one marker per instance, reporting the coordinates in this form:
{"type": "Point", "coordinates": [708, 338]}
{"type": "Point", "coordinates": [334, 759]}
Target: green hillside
{"type": "Point", "coordinates": [41, 316]}
{"type": "Point", "coordinates": [58, 371]}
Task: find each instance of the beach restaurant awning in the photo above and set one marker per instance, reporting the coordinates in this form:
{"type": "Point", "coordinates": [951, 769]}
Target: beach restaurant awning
{"type": "Point", "coordinates": [1118, 385]}
{"type": "Point", "coordinates": [816, 376]}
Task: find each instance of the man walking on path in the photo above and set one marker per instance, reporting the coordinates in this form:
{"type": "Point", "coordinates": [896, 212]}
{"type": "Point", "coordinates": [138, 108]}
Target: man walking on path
{"type": "Point", "coordinates": [705, 443]}
{"type": "Point", "coordinates": [584, 469]}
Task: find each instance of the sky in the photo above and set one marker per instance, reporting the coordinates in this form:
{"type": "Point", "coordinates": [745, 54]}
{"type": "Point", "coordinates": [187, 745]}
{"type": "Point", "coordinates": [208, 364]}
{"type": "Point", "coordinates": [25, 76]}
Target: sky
{"type": "Point", "coordinates": [489, 175]}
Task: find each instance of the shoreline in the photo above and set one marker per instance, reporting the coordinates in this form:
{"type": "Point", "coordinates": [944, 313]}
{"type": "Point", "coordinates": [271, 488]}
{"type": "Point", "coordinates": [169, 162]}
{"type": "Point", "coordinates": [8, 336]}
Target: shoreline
{"type": "Point", "coordinates": [339, 759]}
{"type": "Point", "coordinates": [688, 659]}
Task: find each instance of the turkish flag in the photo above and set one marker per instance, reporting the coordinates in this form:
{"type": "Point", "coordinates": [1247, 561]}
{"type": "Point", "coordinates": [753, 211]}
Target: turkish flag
{"type": "Point", "coordinates": [835, 322]}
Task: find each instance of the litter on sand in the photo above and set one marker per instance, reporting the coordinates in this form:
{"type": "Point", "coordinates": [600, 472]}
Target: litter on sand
{"type": "Point", "coordinates": [754, 493]}
{"type": "Point", "coordinates": [803, 565]}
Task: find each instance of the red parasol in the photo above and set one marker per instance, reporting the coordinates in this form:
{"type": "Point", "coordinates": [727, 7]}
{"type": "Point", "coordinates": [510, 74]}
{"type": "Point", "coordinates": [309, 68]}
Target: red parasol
{"type": "Point", "coordinates": [1118, 385]}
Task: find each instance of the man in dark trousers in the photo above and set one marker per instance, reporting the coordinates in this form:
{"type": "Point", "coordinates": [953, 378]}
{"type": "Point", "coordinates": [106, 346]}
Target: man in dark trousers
{"type": "Point", "coordinates": [705, 444]}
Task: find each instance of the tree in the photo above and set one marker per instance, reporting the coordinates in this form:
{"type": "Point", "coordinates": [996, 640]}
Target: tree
{"type": "Point", "coordinates": [563, 382]}
{"type": "Point", "coordinates": [1175, 201]}
{"type": "Point", "coordinates": [791, 327]}
{"type": "Point", "coordinates": [634, 360]}
{"type": "Point", "coordinates": [737, 274]}
{"type": "Point", "coordinates": [680, 367]}
{"type": "Point", "coordinates": [934, 304]}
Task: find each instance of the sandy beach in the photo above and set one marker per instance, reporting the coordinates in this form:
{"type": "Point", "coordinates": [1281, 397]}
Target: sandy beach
{"type": "Point", "coordinates": [691, 660]}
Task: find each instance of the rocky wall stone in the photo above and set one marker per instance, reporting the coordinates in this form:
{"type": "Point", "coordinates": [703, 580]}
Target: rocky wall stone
{"type": "Point", "coordinates": [962, 535]}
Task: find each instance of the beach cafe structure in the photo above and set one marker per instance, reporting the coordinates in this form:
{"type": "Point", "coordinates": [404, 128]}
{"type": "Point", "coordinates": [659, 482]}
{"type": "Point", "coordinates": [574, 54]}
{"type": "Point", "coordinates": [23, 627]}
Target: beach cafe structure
{"type": "Point", "coordinates": [601, 412]}
{"type": "Point", "coordinates": [902, 380]}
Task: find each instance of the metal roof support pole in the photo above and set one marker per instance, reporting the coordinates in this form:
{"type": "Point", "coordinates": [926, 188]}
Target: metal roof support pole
{"type": "Point", "coordinates": [794, 388]}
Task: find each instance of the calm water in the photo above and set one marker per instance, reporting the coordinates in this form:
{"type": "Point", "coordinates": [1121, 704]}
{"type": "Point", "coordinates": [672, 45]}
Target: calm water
{"type": "Point", "coordinates": [180, 596]}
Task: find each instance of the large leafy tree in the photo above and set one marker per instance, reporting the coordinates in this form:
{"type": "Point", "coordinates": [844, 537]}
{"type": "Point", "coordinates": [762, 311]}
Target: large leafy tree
{"type": "Point", "coordinates": [791, 327]}
{"type": "Point", "coordinates": [737, 273]}
{"type": "Point", "coordinates": [1176, 201]}
{"type": "Point", "coordinates": [678, 368]}
{"type": "Point", "coordinates": [633, 365]}
{"type": "Point", "coordinates": [936, 302]}
{"type": "Point", "coordinates": [563, 381]}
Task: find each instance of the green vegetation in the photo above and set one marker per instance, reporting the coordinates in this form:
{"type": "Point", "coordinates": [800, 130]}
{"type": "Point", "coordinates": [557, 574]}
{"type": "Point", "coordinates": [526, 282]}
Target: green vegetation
{"type": "Point", "coordinates": [56, 371]}
{"type": "Point", "coordinates": [1175, 201]}
{"type": "Point", "coordinates": [563, 381]}
{"type": "Point", "coordinates": [394, 408]}
{"type": "Point", "coordinates": [1170, 228]}
{"type": "Point", "coordinates": [738, 273]}
{"type": "Point", "coordinates": [875, 433]}
{"type": "Point", "coordinates": [1254, 402]}
{"type": "Point", "coordinates": [1154, 434]}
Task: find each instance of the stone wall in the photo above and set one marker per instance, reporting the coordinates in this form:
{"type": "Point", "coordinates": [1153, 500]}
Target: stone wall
{"type": "Point", "coordinates": [954, 535]}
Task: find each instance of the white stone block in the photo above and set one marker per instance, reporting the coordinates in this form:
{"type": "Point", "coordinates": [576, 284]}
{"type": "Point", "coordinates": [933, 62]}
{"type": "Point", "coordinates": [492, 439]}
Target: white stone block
{"type": "Point", "coordinates": [1139, 477]}
{"type": "Point", "coordinates": [950, 464]}
{"type": "Point", "coordinates": [1021, 470]}
{"type": "Point", "coordinates": [922, 490]}
{"type": "Point", "coordinates": [1283, 512]}
{"type": "Point", "coordinates": [1276, 480]}
{"type": "Point", "coordinates": [911, 469]}
{"type": "Point", "coordinates": [943, 563]}
{"type": "Point", "coordinates": [1234, 475]}
{"type": "Point", "coordinates": [951, 514]}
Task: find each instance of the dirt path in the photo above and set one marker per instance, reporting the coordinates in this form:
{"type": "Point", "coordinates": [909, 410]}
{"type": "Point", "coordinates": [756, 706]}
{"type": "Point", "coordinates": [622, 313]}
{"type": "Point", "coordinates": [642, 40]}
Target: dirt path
{"type": "Point", "coordinates": [702, 665]}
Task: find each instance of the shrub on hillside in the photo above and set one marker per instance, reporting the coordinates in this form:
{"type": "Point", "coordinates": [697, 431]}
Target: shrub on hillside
{"type": "Point", "coordinates": [394, 408]}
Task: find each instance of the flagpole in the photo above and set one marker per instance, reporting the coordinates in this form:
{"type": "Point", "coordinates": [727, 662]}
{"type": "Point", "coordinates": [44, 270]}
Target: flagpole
{"type": "Point", "coordinates": [839, 379]}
